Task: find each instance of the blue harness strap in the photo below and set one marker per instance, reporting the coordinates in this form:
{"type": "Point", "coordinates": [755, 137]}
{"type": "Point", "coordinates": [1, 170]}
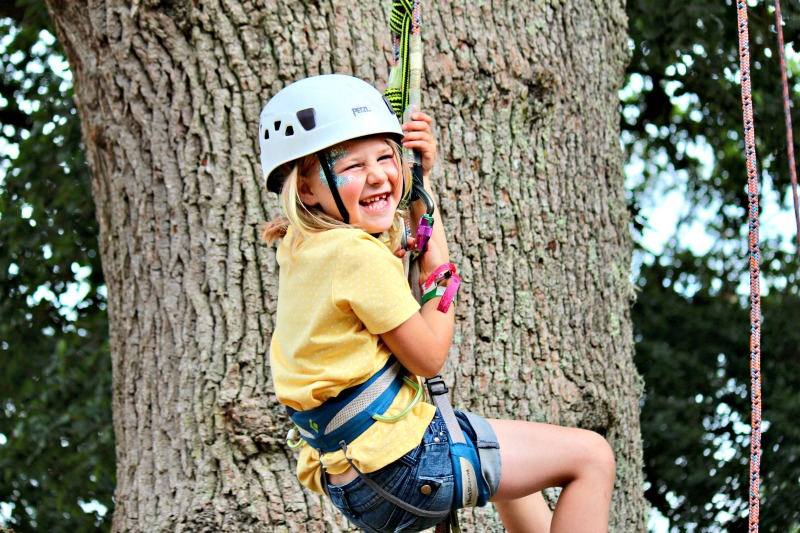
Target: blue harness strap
{"type": "Point", "coordinates": [350, 414]}
{"type": "Point", "coordinates": [470, 488]}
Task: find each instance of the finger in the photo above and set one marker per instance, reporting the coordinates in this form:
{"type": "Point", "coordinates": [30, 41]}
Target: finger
{"type": "Point", "coordinates": [419, 137]}
{"type": "Point", "coordinates": [424, 123]}
{"type": "Point", "coordinates": [415, 127]}
{"type": "Point", "coordinates": [420, 116]}
{"type": "Point", "coordinates": [418, 134]}
{"type": "Point", "coordinates": [425, 146]}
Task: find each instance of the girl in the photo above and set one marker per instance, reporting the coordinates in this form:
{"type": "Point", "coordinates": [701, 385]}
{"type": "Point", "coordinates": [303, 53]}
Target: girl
{"type": "Point", "coordinates": [330, 147]}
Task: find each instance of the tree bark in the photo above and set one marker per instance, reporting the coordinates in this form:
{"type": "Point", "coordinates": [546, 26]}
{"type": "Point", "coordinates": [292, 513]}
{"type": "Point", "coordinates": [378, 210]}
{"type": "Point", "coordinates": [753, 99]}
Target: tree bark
{"type": "Point", "coordinates": [531, 191]}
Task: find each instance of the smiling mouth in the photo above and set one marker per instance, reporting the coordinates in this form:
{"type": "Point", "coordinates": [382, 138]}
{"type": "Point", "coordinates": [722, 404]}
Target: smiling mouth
{"type": "Point", "coordinates": [376, 203]}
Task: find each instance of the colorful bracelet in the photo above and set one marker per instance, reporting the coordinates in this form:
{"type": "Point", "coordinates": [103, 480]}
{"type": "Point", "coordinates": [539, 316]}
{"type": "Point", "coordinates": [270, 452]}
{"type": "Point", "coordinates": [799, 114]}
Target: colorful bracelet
{"type": "Point", "coordinates": [433, 293]}
{"type": "Point", "coordinates": [431, 289]}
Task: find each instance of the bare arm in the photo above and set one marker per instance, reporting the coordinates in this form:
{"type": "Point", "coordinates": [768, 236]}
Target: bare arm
{"type": "Point", "coordinates": [423, 341]}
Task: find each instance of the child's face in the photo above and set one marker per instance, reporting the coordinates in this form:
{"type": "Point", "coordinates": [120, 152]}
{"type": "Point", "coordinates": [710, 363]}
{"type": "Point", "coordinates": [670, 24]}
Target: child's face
{"type": "Point", "coordinates": [367, 178]}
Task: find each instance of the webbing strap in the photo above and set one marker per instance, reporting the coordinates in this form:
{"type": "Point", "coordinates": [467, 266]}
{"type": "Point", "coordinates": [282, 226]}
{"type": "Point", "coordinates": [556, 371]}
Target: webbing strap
{"type": "Point", "coordinates": [469, 490]}
{"type": "Point", "coordinates": [331, 180]}
{"type": "Point", "coordinates": [438, 393]}
{"type": "Point", "coordinates": [405, 78]}
{"type": "Point", "coordinates": [387, 495]}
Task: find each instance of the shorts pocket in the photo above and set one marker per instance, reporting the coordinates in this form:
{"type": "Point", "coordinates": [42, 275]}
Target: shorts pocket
{"type": "Point", "coordinates": [431, 495]}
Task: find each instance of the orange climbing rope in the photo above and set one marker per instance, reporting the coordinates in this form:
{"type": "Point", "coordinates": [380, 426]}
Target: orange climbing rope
{"type": "Point", "coordinates": [755, 267]}
{"type": "Point", "coordinates": [788, 118]}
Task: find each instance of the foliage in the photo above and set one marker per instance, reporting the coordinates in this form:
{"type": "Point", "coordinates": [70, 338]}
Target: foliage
{"type": "Point", "coordinates": [691, 320]}
{"type": "Point", "coordinates": [56, 449]}
{"type": "Point", "coordinates": [693, 352]}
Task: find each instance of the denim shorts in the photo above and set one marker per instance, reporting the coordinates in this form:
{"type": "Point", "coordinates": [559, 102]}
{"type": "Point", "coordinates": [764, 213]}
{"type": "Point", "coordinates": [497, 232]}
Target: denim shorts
{"type": "Point", "coordinates": [423, 478]}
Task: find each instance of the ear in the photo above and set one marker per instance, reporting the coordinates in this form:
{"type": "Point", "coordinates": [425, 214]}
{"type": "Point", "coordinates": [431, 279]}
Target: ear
{"type": "Point", "coordinates": [305, 192]}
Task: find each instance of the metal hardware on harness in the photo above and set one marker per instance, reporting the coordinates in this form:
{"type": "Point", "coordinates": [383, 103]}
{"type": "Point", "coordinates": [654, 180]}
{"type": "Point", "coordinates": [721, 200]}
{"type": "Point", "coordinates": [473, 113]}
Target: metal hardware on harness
{"type": "Point", "coordinates": [438, 392]}
{"type": "Point", "coordinates": [436, 386]}
{"type": "Point", "coordinates": [293, 438]}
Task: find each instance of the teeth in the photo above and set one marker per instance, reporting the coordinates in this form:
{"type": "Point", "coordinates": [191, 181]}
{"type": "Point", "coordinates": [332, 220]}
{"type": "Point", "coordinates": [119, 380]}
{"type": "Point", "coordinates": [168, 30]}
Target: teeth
{"type": "Point", "coordinates": [377, 198]}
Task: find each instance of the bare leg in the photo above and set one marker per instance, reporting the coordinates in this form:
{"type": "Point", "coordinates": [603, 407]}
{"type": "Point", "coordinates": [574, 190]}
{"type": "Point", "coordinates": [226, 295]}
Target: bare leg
{"type": "Point", "coordinates": [529, 513]}
{"type": "Point", "coordinates": [536, 456]}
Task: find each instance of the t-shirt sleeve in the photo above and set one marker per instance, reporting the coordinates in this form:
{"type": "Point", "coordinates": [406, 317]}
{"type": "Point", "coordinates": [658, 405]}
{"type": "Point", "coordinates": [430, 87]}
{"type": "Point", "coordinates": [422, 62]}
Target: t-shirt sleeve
{"type": "Point", "coordinates": [370, 280]}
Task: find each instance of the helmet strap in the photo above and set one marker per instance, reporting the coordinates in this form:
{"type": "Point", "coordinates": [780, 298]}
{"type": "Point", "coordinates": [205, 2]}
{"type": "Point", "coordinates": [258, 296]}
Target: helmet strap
{"type": "Point", "coordinates": [323, 162]}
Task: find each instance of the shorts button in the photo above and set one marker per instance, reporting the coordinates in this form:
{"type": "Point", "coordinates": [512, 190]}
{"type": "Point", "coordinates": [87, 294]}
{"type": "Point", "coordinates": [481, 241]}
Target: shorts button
{"type": "Point", "coordinates": [425, 489]}
{"type": "Point", "coordinates": [435, 439]}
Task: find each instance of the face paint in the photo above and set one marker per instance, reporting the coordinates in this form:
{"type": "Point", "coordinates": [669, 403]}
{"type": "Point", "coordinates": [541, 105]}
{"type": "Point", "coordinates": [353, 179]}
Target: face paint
{"type": "Point", "coordinates": [332, 157]}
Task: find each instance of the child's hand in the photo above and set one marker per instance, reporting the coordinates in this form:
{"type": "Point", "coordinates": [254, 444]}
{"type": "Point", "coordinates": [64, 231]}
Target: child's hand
{"type": "Point", "coordinates": [419, 137]}
{"type": "Point", "coordinates": [410, 245]}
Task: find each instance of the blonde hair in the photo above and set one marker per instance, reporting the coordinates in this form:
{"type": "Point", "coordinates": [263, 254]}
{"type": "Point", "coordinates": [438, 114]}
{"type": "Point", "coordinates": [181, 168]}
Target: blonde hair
{"type": "Point", "coordinates": [307, 220]}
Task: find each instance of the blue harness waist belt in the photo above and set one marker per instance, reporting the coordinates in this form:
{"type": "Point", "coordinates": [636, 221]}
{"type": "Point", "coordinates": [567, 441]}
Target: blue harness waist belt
{"type": "Point", "coordinates": [350, 414]}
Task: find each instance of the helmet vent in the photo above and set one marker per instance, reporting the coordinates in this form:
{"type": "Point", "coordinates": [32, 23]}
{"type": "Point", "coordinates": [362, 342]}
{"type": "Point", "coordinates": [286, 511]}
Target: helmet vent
{"type": "Point", "coordinates": [307, 118]}
{"type": "Point", "coordinates": [277, 125]}
{"type": "Point", "coordinates": [266, 134]}
{"type": "Point", "coordinates": [289, 131]}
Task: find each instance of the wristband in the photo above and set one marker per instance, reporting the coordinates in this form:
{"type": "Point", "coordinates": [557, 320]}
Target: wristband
{"type": "Point", "coordinates": [430, 288]}
{"type": "Point", "coordinates": [431, 294]}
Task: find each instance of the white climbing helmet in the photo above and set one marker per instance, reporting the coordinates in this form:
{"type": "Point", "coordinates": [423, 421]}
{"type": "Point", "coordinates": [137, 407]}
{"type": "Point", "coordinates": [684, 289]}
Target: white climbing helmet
{"type": "Point", "coordinates": [317, 112]}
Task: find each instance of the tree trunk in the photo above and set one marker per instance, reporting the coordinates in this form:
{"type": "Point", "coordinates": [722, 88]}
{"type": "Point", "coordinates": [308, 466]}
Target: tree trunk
{"type": "Point", "coordinates": [530, 186]}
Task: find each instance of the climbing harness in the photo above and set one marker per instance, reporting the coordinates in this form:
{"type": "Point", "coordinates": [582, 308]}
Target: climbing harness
{"type": "Point", "coordinates": [469, 485]}
{"type": "Point", "coordinates": [755, 268]}
{"type": "Point", "coordinates": [340, 420]}
{"type": "Point", "coordinates": [788, 119]}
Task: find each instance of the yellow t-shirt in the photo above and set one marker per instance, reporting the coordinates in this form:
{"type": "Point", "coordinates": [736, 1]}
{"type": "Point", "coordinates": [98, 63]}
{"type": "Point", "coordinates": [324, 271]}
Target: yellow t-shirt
{"type": "Point", "coordinates": [338, 293]}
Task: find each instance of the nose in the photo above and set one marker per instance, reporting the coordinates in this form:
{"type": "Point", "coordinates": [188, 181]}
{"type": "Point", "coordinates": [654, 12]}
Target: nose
{"type": "Point", "coordinates": [376, 174]}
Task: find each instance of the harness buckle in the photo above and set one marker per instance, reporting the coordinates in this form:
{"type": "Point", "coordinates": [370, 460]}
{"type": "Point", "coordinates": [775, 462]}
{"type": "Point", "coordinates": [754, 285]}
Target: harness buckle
{"type": "Point", "coordinates": [437, 387]}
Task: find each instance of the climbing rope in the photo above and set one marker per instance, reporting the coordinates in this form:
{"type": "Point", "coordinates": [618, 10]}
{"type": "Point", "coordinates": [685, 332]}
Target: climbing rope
{"type": "Point", "coordinates": [404, 90]}
{"type": "Point", "coordinates": [788, 118]}
{"type": "Point", "coordinates": [755, 269]}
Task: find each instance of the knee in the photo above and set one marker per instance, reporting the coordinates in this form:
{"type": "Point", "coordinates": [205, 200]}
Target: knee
{"type": "Point", "coordinates": [598, 457]}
